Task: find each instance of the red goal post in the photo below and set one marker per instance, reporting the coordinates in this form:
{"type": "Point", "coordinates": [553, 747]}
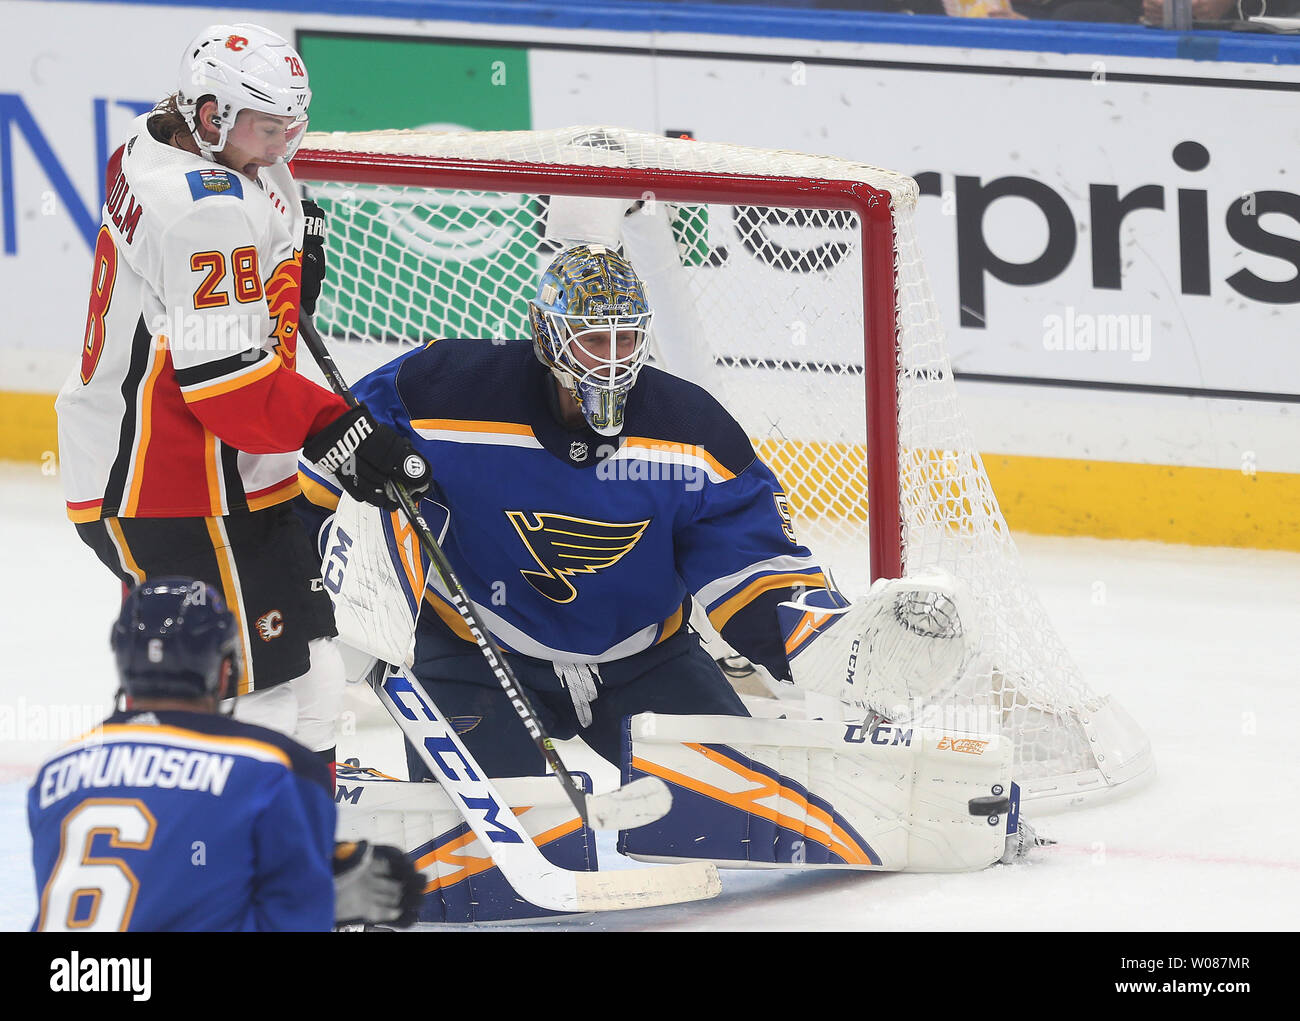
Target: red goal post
{"type": "Point", "coordinates": [871, 206]}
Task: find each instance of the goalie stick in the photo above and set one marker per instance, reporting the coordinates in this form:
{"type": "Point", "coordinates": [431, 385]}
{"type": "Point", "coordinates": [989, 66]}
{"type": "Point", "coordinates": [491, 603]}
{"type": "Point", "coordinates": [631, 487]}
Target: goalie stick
{"type": "Point", "coordinates": [640, 802]}
{"type": "Point", "coordinates": [513, 852]}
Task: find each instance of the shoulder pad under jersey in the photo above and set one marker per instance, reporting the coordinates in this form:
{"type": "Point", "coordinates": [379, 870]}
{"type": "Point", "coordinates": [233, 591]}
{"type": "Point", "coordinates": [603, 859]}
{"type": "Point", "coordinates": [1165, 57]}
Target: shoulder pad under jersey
{"type": "Point", "coordinates": [670, 409]}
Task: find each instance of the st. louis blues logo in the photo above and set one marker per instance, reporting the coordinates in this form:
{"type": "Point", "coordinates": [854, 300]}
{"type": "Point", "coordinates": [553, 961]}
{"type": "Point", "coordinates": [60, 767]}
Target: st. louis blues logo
{"type": "Point", "coordinates": [564, 546]}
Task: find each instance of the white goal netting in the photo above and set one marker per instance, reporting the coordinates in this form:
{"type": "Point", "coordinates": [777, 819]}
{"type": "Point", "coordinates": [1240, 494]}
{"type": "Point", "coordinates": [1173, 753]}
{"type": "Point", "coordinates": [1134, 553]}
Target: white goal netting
{"type": "Point", "coordinates": [791, 286]}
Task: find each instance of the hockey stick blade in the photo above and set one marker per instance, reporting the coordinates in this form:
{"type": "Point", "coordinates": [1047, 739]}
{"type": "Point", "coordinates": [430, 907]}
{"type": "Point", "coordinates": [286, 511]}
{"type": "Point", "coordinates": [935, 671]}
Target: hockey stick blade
{"type": "Point", "coordinates": [513, 852]}
{"type": "Point", "coordinates": [648, 887]}
{"type": "Point", "coordinates": [636, 804]}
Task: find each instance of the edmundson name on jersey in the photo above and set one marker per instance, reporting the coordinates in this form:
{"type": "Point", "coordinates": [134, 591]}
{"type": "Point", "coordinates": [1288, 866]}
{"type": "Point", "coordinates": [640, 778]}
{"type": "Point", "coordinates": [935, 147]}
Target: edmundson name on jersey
{"type": "Point", "coordinates": [130, 765]}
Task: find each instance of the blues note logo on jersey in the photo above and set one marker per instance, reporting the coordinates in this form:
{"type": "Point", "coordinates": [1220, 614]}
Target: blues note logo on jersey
{"type": "Point", "coordinates": [564, 546]}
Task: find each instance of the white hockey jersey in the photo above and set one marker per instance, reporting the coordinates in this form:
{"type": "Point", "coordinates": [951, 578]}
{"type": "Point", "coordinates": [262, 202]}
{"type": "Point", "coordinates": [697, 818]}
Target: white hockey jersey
{"type": "Point", "coordinates": [187, 402]}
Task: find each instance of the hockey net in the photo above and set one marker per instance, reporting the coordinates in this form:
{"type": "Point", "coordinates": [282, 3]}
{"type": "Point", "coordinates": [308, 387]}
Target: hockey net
{"type": "Point", "coordinates": [791, 286]}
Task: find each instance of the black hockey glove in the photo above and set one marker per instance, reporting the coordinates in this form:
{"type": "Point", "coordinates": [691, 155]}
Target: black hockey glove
{"type": "Point", "coordinates": [313, 254]}
{"type": "Point", "coordinates": [375, 883]}
{"type": "Point", "coordinates": [367, 457]}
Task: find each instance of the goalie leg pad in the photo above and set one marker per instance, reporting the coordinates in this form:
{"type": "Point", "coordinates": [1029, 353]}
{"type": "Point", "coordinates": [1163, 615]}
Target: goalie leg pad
{"type": "Point", "coordinates": [751, 793]}
{"type": "Point", "coordinates": [463, 886]}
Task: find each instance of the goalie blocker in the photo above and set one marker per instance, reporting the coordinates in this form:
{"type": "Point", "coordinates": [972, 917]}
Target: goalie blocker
{"type": "Point", "coordinates": [756, 793]}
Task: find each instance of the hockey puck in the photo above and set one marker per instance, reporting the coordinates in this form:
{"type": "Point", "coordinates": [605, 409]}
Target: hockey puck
{"type": "Point", "coordinates": [989, 806]}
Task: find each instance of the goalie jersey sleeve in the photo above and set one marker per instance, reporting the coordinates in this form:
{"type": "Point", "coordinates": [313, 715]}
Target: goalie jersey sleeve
{"type": "Point", "coordinates": [180, 821]}
{"type": "Point", "coordinates": [577, 547]}
{"type": "Point", "coordinates": [738, 553]}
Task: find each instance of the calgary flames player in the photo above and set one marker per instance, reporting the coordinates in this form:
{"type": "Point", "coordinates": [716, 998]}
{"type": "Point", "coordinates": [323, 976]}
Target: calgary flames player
{"type": "Point", "coordinates": [179, 431]}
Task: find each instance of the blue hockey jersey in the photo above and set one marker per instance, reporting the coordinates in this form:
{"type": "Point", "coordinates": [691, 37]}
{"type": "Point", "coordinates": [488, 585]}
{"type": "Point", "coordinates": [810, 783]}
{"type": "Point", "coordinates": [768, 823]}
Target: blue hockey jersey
{"type": "Point", "coordinates": [580, 547]}
{"type": "Point", "coordinates": [182, 821]}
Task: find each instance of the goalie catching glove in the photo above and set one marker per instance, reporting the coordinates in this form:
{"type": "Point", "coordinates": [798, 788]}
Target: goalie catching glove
{"type": "Point", "coordinates": [908, 639]}
{"type": "Point", "coordinates": [368, 458]}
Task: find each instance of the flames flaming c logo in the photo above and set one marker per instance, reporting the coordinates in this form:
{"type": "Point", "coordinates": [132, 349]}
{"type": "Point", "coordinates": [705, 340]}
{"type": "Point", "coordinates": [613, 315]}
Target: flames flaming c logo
{"type": "Point", "coordinates": [282, 294]}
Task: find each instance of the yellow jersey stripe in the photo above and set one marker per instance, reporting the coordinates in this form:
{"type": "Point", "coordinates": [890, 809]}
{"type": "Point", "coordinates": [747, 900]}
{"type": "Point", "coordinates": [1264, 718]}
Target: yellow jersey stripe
{"type": "Point", "coordinates": [724, 612]}
{"type": "Point", "coordinates": [681, 451]}
{"type": "Point", "coordinates": [260, 370]}
{"type": "Point", "coordinates": [287, 490]}
{"type": "Point", "coordinates": [466, 426]}
{"type": "Point", "coordinates": [230, 586]}
{"type": "Point", "coordinates": [124, 551]}
{"type": "Point", "coordinates": [318, 493]}
{"type": "Point", "coordinates": [146, 429]}
{"type": "Point", "coordinates": [166, 734]}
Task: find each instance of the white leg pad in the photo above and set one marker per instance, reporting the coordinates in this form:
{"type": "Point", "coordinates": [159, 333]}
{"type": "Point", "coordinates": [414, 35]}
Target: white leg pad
{"type": "Point", "coordinates": [751, 793]}
{"type": "Point", "coordinates": [463, 884]}
{"type": "Point", "coordinates": [414, 816]}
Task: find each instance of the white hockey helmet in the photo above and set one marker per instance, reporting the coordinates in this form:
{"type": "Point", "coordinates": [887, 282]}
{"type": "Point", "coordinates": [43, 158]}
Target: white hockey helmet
{"type": "Point", "coordinates": [245, 67]}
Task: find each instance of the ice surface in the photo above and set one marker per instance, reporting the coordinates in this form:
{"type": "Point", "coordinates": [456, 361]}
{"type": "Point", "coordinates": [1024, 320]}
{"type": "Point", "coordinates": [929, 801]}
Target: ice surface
{"type": "Point", "coordinates": [1202, 647]}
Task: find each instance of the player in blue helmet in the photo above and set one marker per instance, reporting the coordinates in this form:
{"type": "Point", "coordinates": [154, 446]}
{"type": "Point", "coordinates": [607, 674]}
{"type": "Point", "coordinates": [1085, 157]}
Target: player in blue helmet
{"type": "Point", "coordinates": [175, 639]}
{"type": "Point", "coordinates": [213, 824]}
{"type": "Point", "coordinates": [591, 325]}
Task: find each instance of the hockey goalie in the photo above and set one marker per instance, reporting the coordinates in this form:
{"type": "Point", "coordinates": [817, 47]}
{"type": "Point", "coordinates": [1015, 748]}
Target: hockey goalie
{"type": "Point", "coordinates": [588, 502]}
{"type": "Point", "coordinates": [841, 770]}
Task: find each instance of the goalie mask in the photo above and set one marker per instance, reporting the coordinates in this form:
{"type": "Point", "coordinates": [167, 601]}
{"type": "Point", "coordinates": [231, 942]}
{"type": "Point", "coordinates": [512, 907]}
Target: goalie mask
{"type": "Point", "coordinates": [590, 328]}
{"type": "Point", "coordinates": [244, 67]}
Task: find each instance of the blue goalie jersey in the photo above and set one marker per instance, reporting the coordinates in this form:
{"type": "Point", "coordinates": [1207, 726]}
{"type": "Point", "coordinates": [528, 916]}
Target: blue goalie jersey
{"type": "Point", "coordinates": [182, 821]}
{"type": "Point", "coordinates": [578, 547]}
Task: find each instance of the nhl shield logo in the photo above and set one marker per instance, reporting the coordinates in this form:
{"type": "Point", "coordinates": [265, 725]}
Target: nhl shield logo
{"type": "Point", "coordinates": [578, 451]}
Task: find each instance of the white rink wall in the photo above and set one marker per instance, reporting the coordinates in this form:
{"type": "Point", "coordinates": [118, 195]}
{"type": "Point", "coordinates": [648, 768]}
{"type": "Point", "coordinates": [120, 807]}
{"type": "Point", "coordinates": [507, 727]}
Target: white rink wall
{"type": "Point", "coordinates": [1111, 227]}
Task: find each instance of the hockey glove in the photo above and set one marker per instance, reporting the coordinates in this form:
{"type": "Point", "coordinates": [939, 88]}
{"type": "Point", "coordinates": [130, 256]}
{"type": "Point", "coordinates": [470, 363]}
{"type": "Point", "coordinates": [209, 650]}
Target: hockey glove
{"type": "Point", "coordinates": [313, 254]}
{"type": "Point", "coordinates": [367, 458]}
{"type": "Point", "coordinates": [375, 883]}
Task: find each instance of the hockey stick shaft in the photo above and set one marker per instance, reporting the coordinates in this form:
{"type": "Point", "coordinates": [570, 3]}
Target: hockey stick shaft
{"type": "Point", "coordinates": [639, 807]}
{"type": "Point", "coordinates": [513, 851]}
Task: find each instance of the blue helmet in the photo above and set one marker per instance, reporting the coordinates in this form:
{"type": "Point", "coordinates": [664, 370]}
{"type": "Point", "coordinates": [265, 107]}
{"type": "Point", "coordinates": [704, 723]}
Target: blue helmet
{"type": "Point", "coordinates": [591, 326]}
{"type": "Point", "coordinates": [173, 639]}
